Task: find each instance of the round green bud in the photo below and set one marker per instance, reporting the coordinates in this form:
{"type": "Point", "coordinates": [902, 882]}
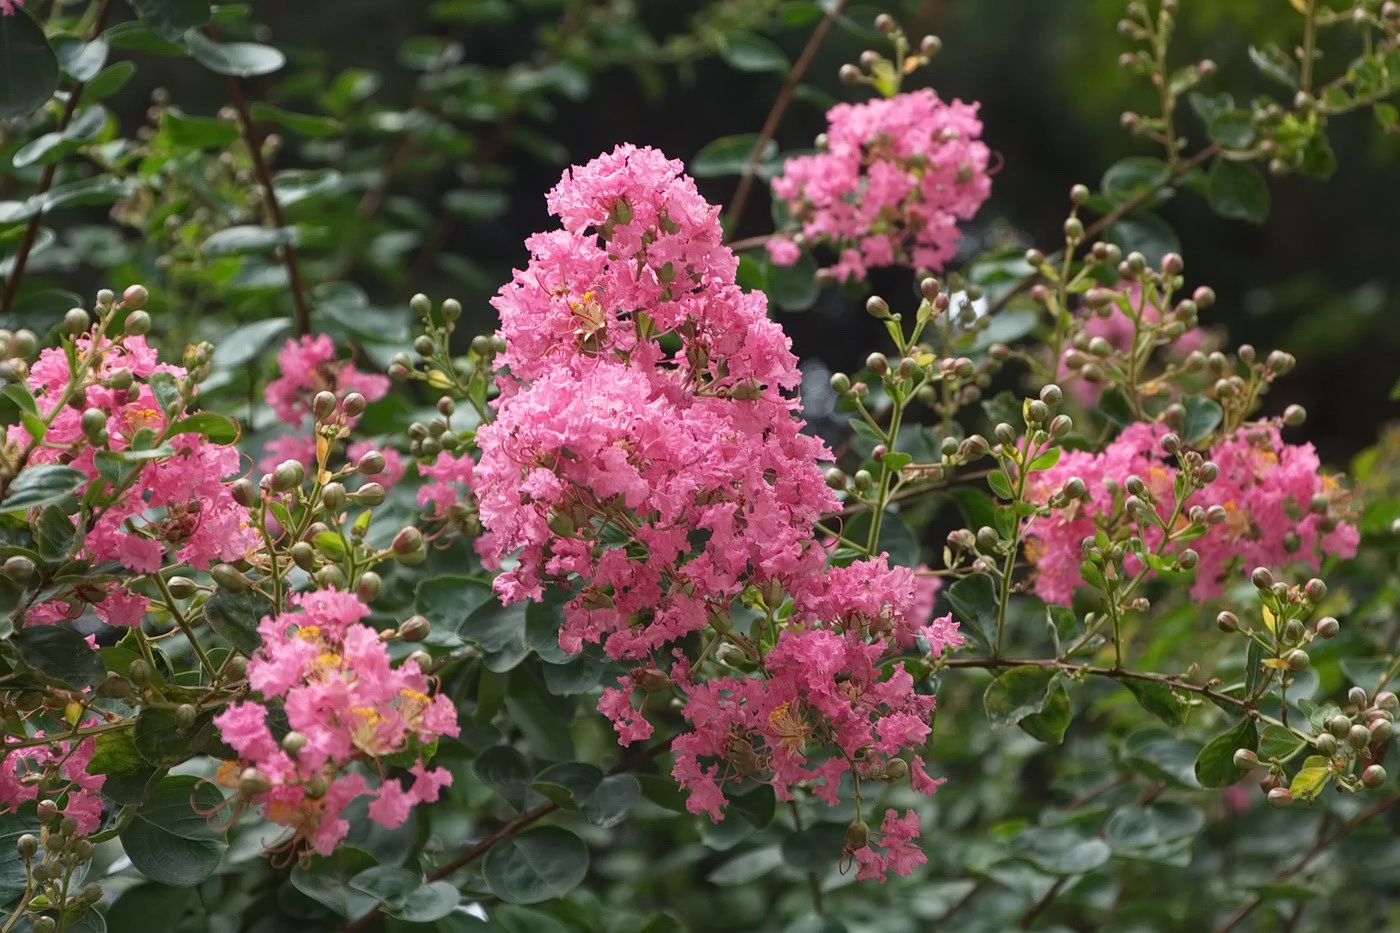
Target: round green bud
{"type": "Point", "coordinates": [1227, 621]}
{"type": "Point", "coordinates": [76, 321]}
{"type": "Point", "coordinates": [228, 577]}
{"type": "Point", "coordinates": [323, 405]}
{"type": "Point", "coordinates": [1388, 701]}
{"type": "Point", "coordinates": [420, 305]}
{"type": "Point", "coordinates": [1338, 725]}
{"type": "Point", "coordinates": [877, 307]}
{"type": "Point", "coordinates": [1358, 736]}
{"type": "Point", "coordinates": [1294, 415]}
{"type": "Point", "coordinates": [1280, 798]}
{"type": "Point", "coordinates": [19, 568]}
{"type": "Point", "coordinates": [27, 846]}
{"type": "Point", "coordinates": [289, 475]}
{"type": "Point", "coordinates": [1074, 229]}
{"type": "Point", "coordinates": [354, 404]}
{"type": "Point", "coordinates": [1298, 660]}
{"type": "Point", "coordinates": [1079, 195]}
{"type": "Point", "coordinates": [1245, 759]}
{"type": "Point", "coordinates": [840, 383]}
{"type": "Point", "coordinates": [368, 587]}
{"type": "Point", "coordinates": [330, 576]}
{"type": "Point", "coordinates": [181, 587]}
{"type": "Point", "coordinates": [370, 494]}
{"type": "Point", "coordinates": [423, 345]}
{"type": "Point", "coordinates": [407, 541]}
{"type": "Point", "coordinates": [877, 363]}
{"type": "Point", "coordinates": [185, 715]}
{"type": "Point", "coordinates": [333, 496]}
{"type": "Point", "coordinates": [303, 555]}
{"type": "Point", "coordinates": [857, 835]}
{"type": "Point", "coordinates": [415, 628]}
{"type": "Point", "coordinates": [1262, 578]}
{"type": "Point", "coordinates": [253, 782]}
{"type": "Point", "coordinates": [1373, 776]}
{"type": "Point", "coordinates": [835, 478]}
{"type": "Point", "coordinates": [1326, 744]}
{"type": "Point", "coordinates": [451, 310]}
{"type": "Point", "coordinates": [137, 324]}
{"type": "Point", "coordinates": [1328, 627]}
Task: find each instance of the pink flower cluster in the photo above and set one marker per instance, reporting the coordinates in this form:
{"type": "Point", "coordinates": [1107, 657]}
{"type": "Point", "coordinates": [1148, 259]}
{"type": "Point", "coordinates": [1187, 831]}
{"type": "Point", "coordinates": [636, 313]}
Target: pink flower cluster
{"type": "Point", "coordinates": [1121, 328]}
{"type": "Point", "coordinates": [8, 7]}
{"type": "Point", "coordinates": [58, 770]}
{"type": "Point", "coordinates": [644, 456]}
{"type": "Point", "coordinates": [1279, 508]}
{"type": "Point", "coordinates": [345, 704]}
{"type": "Point", "coordinates": [308, 366]}
{"type": "Point", "coordinates": [894, 178]}
{"type": "Point", "coordinates": [176, 505]}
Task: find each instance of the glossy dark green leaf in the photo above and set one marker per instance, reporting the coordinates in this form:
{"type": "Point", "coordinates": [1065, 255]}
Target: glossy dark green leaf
{"type": "Point", "coordinates": [1146, 233]}
{"type": "Point", "coordinates": [504, 770]}
{"type": "Point", "coordinates": [28, 66]}
{"type": "Point", "coordinates": [1016, 694]}
{"type": "Point", "coordinates": [163, 743]}
{"type": "Point", "coordinates": [326, 880]}
{"type": "Point", "coordinates": [136, 906]}
{"type": "Point", "coordinates": [235, 617]}
{"type": "Point", "coordinates": [247, 239]}
{"type": "Point", "coordinates": [61, 655]}
{"type": "Point", "coordinates": [1236, 190]}
{"type": "Point", "coordinates": [1060, 850]}
{"type": "Point", "coordinates": [1133, 176]}
{"type": "Point", "coordinates": [1050, 723]}
{"type": "Point", "coordinates": [1158, 699]}
{"type": "Point", "coordinates": [238, 59]}
{"type": "Point", "coordinates": [541, 863]}
{"type": "Point", "coordinates": [108, 81]}
{"type": "Point", "coordinates": [1275, 63]}
{"type": "Point", "coordinates": [402, 894]}
{"type": "Point", "coordinates": [168, 841]}
{"type": "Point", "coordinates": [38, 486]}
{"type": "Point", "coordinates": [1203, 415]}
{"type": "Point", "coordinates": [197, 132]}
{"type": "Point", "coordinates": [744, 51]}
{"type": "Point", "coordinates": [602, 800]}
{"type": "Point", "coordinates": [974, 602]}
{"type": "Point", "coordinates": [80, 60]}
{"type": "Point", "coordinates": [242, 344]}
{"type": "Point", "coordinates": [57, 533]}
{"type": "Point", "coordinates": [171, 19]}
{"type": "Point", "coordinates": [729, 155]}
{"type": "Point", "coordinates": [1278, 742]}
{"type": "Point", "coordinates": [1000, 485]}
{"type": "Point", "coordinates": [1233, 129]}
{"type": "Point", "coordinates": [309, 125]}
{"type": "Point", "coordinates": [1215, 766]}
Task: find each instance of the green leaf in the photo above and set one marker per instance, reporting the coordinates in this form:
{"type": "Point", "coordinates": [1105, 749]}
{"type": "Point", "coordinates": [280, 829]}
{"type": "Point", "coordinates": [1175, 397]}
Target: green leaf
{"type": "Point", "coordinates": [298, 185]}
{"type": "Point", "coordinates": [308, 125]}
{"type": "Point", "coordinates": [1162, 755]}
{"type": "Point", "coordinates": [247, 238]}
{"type": "Point", "coordinates": [1050, 723]}
{"type": "Point", "coordinates": [108, 81]}
{"type": "Point", "coordinates": [239, 59]}
{"type": "Point", "coordinates": [39, 486]}
{"type": "Point", "coordinates": [539, 864]}
{"type": "Point", "coordinates": [1000, 485]}
{"type": "Point", "coordinates": [1161, 833]}
{"type": "Point", "coordinates": [730, 155]}
{"type": "Point", "coordinates": [1236, 190]}
{"type": "Point", "coordinates": [28, 67]}
{"type": "Point", "coordinates": [794, 287]}
{"type": "Point", "coordinates": [79, 60]}
{"type": "Point", "coordinates": [744, 51]}
{"type": "Point", "coordinates": [219, 429]}
{"type": "Point", "coordinates": [1016, 694]}
{"type": "Point", "coordinates": [1158, 699]}
{"type": "Point", "coordinates": [1215, 766]}
{"type": "Point", "coordinates": [326, 880]}
{"type": "Point", "coordinates": [234, 617]}
{"type": "Point", "coordinates": [242, 344]}
{"type": "Point", "coordinates": [1128, 178]}
{"type": "Point", "coordinates": [195, 132]}
{"type": "Point", "coordinates": [896, 538]}
{"type": "Point", "coordinates": [164, 744]}
{"type": "Point", "coordinates": [1046, 460]}
{"type": "Point", "coordinates": [1203, 415]}
{"type": "Point", "coordinates": [1060, 850]}
{"type": "Point", "coordinates": [171, 19]}
{"type": "Point", "coordinates": [402, 893]}
{"type": "Point", "coordinates": [974, 602]}
{"type": "Point", "coordinates": [1278, 742]}
{"type": "Point", "coordinates": [504, 770]}
{"type": "Point", "coordinates": [603, 801]}
{"type": "Point", "coordinates": [57, 533]}
{"type": "Point", "coordinates": [1233, 129]}
{"type": "Point", "coordinates": [61, 655]}
{"type": "Point", "coordinates": [748, 867]}
{"type": "Point", "coordinates": [168, 841]}
{"type": "Point", "coordinates": [137, 905]}
{"type": "Point", "coordinates": [1146, 233]}
{"type": "Point", "coordinates": [1274, 63]}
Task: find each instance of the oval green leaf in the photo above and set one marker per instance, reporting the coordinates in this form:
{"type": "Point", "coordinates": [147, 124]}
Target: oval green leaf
{"type": "Point", "coordinates": [539, 864]}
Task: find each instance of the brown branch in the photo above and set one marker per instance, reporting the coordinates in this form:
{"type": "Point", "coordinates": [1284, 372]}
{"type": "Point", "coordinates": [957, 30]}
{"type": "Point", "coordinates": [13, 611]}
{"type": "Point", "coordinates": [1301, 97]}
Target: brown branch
{"type": "Point", "coordinates": [254, 141]}
{"type": "Point", "coordinates": [1325, 841]}
{"type": "Point", "coordinates": [507, 831]}
{"type": "Point", "coordinates": [1112, 673]}
{"type": "Point", "coordinates": [775, 115]}
{"type": "Point", "coordinates": [31, 229]}
{"type": "Point", "coordinates": [1112, 217]}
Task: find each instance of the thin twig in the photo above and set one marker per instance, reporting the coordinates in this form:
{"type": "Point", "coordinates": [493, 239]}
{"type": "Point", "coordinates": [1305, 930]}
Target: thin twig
{"type": "Point", "coordinates": [1112, 673]}
{"type": "Point", "coordinates": [1112, 217]}
{"type": "Point", "coordinates": [775, 115]}
{"type": "Point", "coordinates": [509, 830]}
{"type": "Point", "coordinates": [1325, 841]}
{"type": "Point", "coordinates": [289, 253]}
{"type": "Point", "coordinates": [31, 229]}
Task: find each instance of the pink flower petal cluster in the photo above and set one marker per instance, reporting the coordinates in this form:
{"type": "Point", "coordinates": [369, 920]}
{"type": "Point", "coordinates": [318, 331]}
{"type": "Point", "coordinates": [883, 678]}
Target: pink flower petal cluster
{"type": "Point", "coordinates": [894, 178]}
{"type": "Point", "coordinates": [900, 855]}
{"type": "Point", "coordinates": [58, 771]}
{"type": "Point", "coordinates": [1280, 508]}
{"type": "Point", "coordinates": [345, 705]}
{"type": "Point", "coordinates": [8, 7]}
{"type": "Point", "coordinates": [176, 505]}
{"type": "Point", "coordinates": [308, 366]}
{"type": "Point", "coordinates": [645, 457]}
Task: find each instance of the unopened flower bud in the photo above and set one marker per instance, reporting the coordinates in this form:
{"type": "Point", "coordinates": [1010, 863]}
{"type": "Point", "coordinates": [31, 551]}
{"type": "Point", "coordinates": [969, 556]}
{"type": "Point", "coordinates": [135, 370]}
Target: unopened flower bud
{"type": "Point", "coordinates": [181, 587]}
{"type": "Point", "coordinates": [323, 405]}
{"type": "Point", "coordinates": [76, 321]}
{"type": "Point", "coordinates": [1172, 264]}
{"type": "Point", "coordinates": [1326, 744]}
{"type": "Point", "coordinates": [333, 496]}
{"type": "Point", "coordinates": [1381, 730]}
{"type": "Point", "coordinates": [19, 568]}
{"type": "Point", "coordinates": [1036, 412]}
{"type": "Point", "coordinates": [185, 715]}
{"type": "Point", "coordinates": [329, 577]}
{"type": "Point", "coordinates": [303, 555]}
{"type": "Point", "coordinates": [367, 588]}
{"type": "Point", "coordinates": [1388, 701]}
{"type": "Point", "coordinates": [415, 628]}
{"type": "Point", "coordinates": [452, 308]}
{"type": "Point", "coordinates": [1245, 759]}
{"type": "Point", "coordinates": [877, 363]}
{"type": "Point", "coordinates": [1227, 621]}
{"type": "Point", "coordinates": [229, 577]}
{"type": "Point", "coordinates": [253, 782]}
{"type": "Point", "coordinates": [1328, 627]}
{"type": "Point", "coordinates": [1298, 660]}
{"type": "Point", "coordinates": [244, 492]}
{"type": "Point", "coordinates": [857, 835]}
{"type": "Point", "coordinates": [354, 404]}
{"type": "Point", "coordinates": [1074, 229]}
{"type": "Point", "coordinates": [137, 324]}
{"type": "Point", "coordinates": [1262, 578]}
{"type": "Point", "coordinates": [27, 846]}
{"type": "Point", "coordinates": [370, 494]}
{"type": "Point", "coordinates": [1373, 776]}
{"type": "Point", "coordinates": [1004, 433]}
{"type": "Point", "coordinates": [289, 475]}
{"type": "Point", "coordinates": [407, 541]}
{"type": "Point", "coordinates": [1188, 559]}
{"type": "Point", "coordinates": [420, 304]}
{"type": "Point", "coordinates": [135, 298]}
{"type": "Point", "coordinates": [877, 307]}
{"type": "Point", "coordinates": [1203, 297]}
{"type": "Point", "coordinates": [835, 478]}
{"type": "Point", "coordinates": [371, 464]}
{"type": "Point", "coordinates": [1074, 488]}
{"type": "Point", "coordinates": [1280, 798]}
